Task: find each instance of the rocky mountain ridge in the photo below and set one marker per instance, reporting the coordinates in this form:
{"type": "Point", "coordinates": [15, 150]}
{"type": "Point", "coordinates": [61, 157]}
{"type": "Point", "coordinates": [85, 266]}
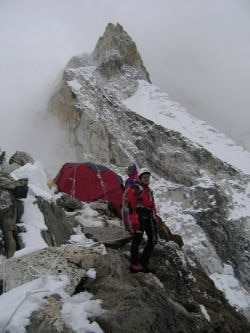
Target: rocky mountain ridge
{"type": "Point", "coordinates": [177, 297]}
{"type": "Point", "coordinates": [199, 190]}
{"type": "Point", "coordinates": [101, 128]}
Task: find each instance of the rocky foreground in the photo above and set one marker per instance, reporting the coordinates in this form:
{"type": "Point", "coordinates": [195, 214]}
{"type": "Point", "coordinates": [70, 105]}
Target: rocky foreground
{"type": "Point", "coordinates": [176, 298]}
{"type": "Point", "coordinates": [202, 192]}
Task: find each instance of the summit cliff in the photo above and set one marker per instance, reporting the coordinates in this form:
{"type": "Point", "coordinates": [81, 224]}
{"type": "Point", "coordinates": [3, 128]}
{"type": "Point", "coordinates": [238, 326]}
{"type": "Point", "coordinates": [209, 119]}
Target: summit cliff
{"type": "Point", "coordinates": [116, 49]}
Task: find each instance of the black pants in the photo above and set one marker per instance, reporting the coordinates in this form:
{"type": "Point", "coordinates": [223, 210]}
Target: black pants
{"type": "Point", "coordinates": [148, 225]}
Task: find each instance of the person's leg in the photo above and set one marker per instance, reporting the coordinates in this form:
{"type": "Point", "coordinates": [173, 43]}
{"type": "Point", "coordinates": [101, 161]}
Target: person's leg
{"type": "Point", "coordinates": [151, 231]}
{"type": "Point", "coordinates": [134, 258]}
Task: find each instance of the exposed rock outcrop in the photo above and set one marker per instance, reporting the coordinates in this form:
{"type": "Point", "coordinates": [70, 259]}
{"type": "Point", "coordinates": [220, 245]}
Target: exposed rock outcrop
{"type": "Point", "coordinates": [11, 209]}
{"type": "Point", "coordinates": [59, 227]}
{"type": "Point", "coordinates": [176, 298]}
{"type": "Point", "coordinates": [21, 158]}
{"type": "Point", "coordinates": [114, 50]}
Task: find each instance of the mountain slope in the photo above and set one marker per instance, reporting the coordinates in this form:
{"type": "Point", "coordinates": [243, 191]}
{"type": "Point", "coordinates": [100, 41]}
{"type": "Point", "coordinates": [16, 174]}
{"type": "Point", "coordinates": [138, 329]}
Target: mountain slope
{"type": "Point", "coordinates": [107, 107]}
{"type": "Point", "coordinates": [112, 114]}
{"type": "Point", "coordinates": [151, 103]}
{"type": "Point", "coordinates": [85, 285]}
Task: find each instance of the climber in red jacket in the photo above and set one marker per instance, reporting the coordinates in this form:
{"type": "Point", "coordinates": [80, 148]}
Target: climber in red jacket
{"type": "Point", "coordinates": [143, 218]}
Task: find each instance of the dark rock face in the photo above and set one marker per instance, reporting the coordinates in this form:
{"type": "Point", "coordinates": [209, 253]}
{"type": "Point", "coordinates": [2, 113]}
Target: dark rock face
{"type": "Point", "coordinates": [168, 301]}
{"type": "Point", "coordinates": [59, 229]}
{"type": "Point", "coordinates": [143, 306]}
{"type": "Point", "coordinates": [69, 203]}
{"type": "Point", "coordinates": [223, 317]}
{"type": "Point", "coordinates": [166, 234]}
{"type": "Point", "coordinates": [11, 209]}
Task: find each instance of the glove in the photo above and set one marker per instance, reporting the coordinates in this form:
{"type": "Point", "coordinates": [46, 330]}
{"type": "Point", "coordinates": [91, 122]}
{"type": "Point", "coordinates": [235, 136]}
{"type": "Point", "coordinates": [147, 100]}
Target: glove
{"type": "Point", "coordinates": [135, 224]}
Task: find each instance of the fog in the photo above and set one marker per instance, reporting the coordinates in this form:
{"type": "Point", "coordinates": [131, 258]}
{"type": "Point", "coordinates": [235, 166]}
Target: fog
{"type": "Point", "coordinates": [196, 51]}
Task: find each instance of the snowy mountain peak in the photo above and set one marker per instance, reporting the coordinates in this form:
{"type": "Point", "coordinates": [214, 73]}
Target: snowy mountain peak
{"type": "Point", "coordinates": [115, 49]}
{"type": "Point", "coordinates": [114, 116]}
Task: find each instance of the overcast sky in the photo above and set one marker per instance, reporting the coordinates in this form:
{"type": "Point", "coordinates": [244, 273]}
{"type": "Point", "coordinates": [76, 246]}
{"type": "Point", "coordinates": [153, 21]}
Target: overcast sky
{"type": "Point", "coordinates": [198, 51]}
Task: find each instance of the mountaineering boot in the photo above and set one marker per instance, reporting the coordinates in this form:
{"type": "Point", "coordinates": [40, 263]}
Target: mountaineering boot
{"type": "Point", "coordinates": [136, 268]}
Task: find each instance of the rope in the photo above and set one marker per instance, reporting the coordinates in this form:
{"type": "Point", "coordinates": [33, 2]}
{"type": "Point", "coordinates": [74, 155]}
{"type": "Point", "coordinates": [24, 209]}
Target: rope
{"type": "Point", "coordinates": [73, 188]}
{"type": "Point", "coordinates": [103, 185]}
{"type": "Point", "coordinates": [123, 208]}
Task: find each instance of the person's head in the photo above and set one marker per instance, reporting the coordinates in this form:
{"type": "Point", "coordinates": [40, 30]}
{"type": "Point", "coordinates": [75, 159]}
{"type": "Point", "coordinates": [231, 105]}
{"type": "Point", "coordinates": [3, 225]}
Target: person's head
{"type": "Point", "coordinates": [144, 176]}
{"type": "Point", "coordinates": [132, 168]}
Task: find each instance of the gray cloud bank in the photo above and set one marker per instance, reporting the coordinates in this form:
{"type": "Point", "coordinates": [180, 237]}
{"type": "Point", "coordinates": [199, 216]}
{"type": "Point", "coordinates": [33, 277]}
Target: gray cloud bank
{"type": "Point", "coordinates": [197, 51]}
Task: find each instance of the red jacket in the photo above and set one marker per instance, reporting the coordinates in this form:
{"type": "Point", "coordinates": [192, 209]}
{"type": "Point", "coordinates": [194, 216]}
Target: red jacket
{"type": "Point", "coordinates": [141, 195]}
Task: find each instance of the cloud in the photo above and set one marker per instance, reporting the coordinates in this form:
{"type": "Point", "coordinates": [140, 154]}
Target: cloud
{"type": "Point", "coordinates": [197, 51]}
{"type": "Point", "coordinates": [203, 61]}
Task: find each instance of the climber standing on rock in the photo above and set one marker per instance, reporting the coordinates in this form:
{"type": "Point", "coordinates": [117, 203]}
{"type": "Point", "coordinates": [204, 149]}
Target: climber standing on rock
{"type": "Point", "coordinates": [143, 218]}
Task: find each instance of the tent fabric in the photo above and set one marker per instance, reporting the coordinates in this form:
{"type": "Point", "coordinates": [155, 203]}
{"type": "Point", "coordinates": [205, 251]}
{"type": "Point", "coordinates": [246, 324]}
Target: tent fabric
{"type": "Point", "coordinates": [90, 182]}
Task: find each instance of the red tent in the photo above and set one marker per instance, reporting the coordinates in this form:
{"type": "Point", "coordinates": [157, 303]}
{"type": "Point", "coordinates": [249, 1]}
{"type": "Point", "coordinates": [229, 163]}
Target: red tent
{"type": "Point", "coordinates": [90, 182]}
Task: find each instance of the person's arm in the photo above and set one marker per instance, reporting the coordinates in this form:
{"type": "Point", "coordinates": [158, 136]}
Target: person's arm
{"type": "Point", "coordinates": [132, 197]}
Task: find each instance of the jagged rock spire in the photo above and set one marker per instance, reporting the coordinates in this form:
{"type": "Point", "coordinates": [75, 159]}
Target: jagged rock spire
{"type": "Point", "coordinates": [115, 49]}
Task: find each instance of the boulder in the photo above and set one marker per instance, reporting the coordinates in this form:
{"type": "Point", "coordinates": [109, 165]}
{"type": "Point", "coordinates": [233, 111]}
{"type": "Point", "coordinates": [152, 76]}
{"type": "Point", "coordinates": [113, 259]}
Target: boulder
{"type": "Point", "coordinates": [59, 227]}
{"type": "Point", "coordinates": [21, 158]}
{"type": "Point", "coordinates": [10, 211]}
